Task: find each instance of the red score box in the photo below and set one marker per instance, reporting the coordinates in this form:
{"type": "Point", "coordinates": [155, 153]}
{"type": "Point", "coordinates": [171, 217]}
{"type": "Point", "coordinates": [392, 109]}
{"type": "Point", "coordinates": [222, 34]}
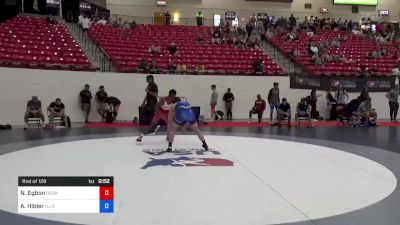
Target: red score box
{"type": "Point", "coordinates": [106, 193]}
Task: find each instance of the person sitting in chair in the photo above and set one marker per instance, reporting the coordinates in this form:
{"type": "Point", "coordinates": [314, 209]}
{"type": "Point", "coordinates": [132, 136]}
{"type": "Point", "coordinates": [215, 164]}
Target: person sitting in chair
{"type": "Point", "coordinates": [57, 109]}
{"type": "Point", "coordinates": [284, 112]}
{"type": "Point", "coordinates": [34, 109]}
{"type": "Point", "coordinates": [365, 112]}
{"type": "Point", "coordinates": [303, 111]}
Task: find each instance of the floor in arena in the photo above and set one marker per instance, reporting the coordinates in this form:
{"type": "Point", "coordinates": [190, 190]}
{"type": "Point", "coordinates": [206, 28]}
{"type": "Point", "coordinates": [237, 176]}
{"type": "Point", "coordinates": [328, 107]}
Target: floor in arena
{"type": "Point", "coordinates": [250, 176]}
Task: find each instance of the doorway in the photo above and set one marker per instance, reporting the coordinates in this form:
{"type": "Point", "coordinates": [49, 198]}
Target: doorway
{"type": "Point", "coordinates": [159, 18]}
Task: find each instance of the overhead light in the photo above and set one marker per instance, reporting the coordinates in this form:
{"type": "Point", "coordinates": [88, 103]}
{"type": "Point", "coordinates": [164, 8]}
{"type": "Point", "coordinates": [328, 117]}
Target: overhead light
{"type": "Point", "coordinates": [161, 3]}
{"type": "Point", "coordinates": [324, 10]}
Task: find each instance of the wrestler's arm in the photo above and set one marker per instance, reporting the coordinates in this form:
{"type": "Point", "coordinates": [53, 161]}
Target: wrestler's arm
{"type": "Point", "coordinates": [171, 115]}
{"type": "Point", "coordinates": [160, 103]}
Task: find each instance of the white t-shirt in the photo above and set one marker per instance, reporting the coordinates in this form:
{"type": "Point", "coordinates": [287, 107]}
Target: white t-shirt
{"type": "Point", "coordinates": [314, 49]}
{"type": "Point", "coordinates": [356, 32]}
{"type": "Point", "coordinates": [103, 22]}
{"type": "Point", "coordinates": [396, 71]}
{"type": "Point", "coordinates": [85, 23]}
{"type": "Point", "coordinates": [80, 18]}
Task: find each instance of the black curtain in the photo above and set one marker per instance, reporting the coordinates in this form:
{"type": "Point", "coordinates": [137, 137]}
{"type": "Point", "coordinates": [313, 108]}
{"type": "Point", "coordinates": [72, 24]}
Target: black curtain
{"type": "Point", "coordinates": [42, 6]}
{"type": "Point", "coordinates": [9, 8]}
{"type": "Point", "coordinates": [70, 10]}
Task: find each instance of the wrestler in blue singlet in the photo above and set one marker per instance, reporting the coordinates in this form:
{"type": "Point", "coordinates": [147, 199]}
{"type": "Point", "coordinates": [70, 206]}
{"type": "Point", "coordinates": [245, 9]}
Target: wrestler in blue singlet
{"type": "Point", "coordinates": [184, 113]}
{"type": "Point", "coordinates": [183, 116]}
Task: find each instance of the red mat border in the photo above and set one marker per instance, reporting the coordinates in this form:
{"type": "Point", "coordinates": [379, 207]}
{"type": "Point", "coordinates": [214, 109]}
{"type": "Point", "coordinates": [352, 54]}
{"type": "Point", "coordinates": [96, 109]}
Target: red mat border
{"type": "Point", "coordinates": [225, 124]}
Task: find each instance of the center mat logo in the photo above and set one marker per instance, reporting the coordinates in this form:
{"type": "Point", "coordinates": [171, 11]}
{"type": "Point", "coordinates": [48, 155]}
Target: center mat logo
{"type": "Point", "coordinates": [188, 157]}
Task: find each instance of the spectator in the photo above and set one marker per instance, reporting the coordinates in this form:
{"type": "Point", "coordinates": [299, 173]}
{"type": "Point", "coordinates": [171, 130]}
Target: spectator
{"type": "Point", "coordinates": [113, 104]}
{"type": "Point", "coordinates": [365, 112]}
{"type": "Point", "coordinates": [313, 102]}
{"type": "Point", "coordinates": [364, 95]}
{"type": "Point", "coordinates": [305, 23]}
{"type": "Point", "coordinates": [214, 100]}
{"type": "Point", "coordinates": [181, 68]}
{"type": "Point", "coordinates": [393, 97]}
{"type": "Point", "coordinates": [133, 24]}
{"type": "Point", "coordinates": [173, 48]}
{"type": "Point", "coordinates": [318, 59]}
{"type": "Point", "coordinates": [228, 99]}
{"type": "Point", "coordinates": [117, 23]}
{"type": "Point", "coordinates": [341, 96]}
{"type": "Point", "coordinates": [310, 33]}
{"type": "Point", "coordinates": [167, 18]}
{"type": "Point", "coordinates": [153, 67]}
{"type": "Point", "coordinates": [259, 66]}
{"type": "Point", "coordinates": [199, 18]}
{"type": "Point", "coordinates": [323, 45]}
{"type": "Point", "coordinates": [292, 21]}
{"type": "Point", "coordinates": [85, 23]}
{"type": "Point", "coordinates": [101, 96]}
{"type": "Point", "coordinates": [269, 34]}
{"type": "Point", "coordinates": [303, 111]}
{"type": "Point", "coordinates": [249, 28]}
{"type": "Point", "coordinates": [293, 36]}
{"type": "Point", "coordinates": [350, 26]}
{"type": "Point", "coordinates": [80, 19]}
{"type": "Point", "coordinates": [380, 39]}
{"type": "Point", "coordinates": [284, 112]}
{"type": "Point", "coordinates": [254, 43]}
{"type": "Point", "coordinates": [326, 58]}
{"type": "Point", "coordinates": [311, 21]}
{"type": "Point", "coordinates": [144, 66]}
{"type": "Point", "coordinates": [336, 43]}
{"type": "Point", "coordinates": [258, 108]}
{"type": "Point", "coordinates": [200, 69]}
{"type": "Point", "coordinates": [154, 49]}
{"type": "Point", "coordinates": [125, 25]}
{"type": "Point", "coordinates": [253, 19]}
{"type": "Point", "coordinates": [150, 101]}
{"type": "Point", "coordinates": [330, 105]}
{"type": "Point", "coordinates": [216, 36]}
{"type": "Point", "coordinates": [274, 99]}
{"type": "Point", "coordinates": [363, 70]}
{"type": "Point", "coordinates": [296, 53]}
{"type": "Point", "coordinates": [200, 40]}
{"type": "Point", "coordinates": [102, 21]}
{"type": "Point", "coordinates": [86, 100]}
{"type": "Point", "coordinates": [34, 109]}
{"type": "Point", "coordinates": [171, 67]}
{"type": "Point", "coordinates": [57, 109]}
{"type": "Point", "coordinates": [356, 32]}
{"type": "Point", "coordinates": [313, 49]}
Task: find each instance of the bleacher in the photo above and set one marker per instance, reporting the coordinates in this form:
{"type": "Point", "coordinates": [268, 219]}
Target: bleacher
{"type": "Point", "coordinates": [127, 47]}
{"type": "Point", "coordinates": [30, 42]}
{"type": "Point", "coordinates": [354, 49]}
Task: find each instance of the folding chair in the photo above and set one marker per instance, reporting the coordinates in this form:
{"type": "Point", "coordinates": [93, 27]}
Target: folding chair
{"type": "Point", "coordinates": [34, 123]}
{"type": "Point", "coordinates": [284, 121]}
{"type": "Point", "coordinates": [303, 121]}
{"type": "Point", "coordinates": [57, 121]}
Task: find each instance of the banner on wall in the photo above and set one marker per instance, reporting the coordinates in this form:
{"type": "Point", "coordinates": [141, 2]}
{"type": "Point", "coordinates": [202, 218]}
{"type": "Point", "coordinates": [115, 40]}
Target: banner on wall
{"type": "Point", "coordinates": [351, 84]}
{"type": "Point", "coordinates": [230, 15]}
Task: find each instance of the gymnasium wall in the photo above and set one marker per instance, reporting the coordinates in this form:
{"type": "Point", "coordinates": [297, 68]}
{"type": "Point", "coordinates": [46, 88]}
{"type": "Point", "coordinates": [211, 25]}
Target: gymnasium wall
{"type": "Point", "coordinates": [188, 8]}
{"type": "Point", "coordinates": [18, 85]}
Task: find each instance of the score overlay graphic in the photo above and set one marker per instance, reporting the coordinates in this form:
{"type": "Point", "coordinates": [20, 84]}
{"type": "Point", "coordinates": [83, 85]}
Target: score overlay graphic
{"type": "Point", "coordinates": [65, 194]}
